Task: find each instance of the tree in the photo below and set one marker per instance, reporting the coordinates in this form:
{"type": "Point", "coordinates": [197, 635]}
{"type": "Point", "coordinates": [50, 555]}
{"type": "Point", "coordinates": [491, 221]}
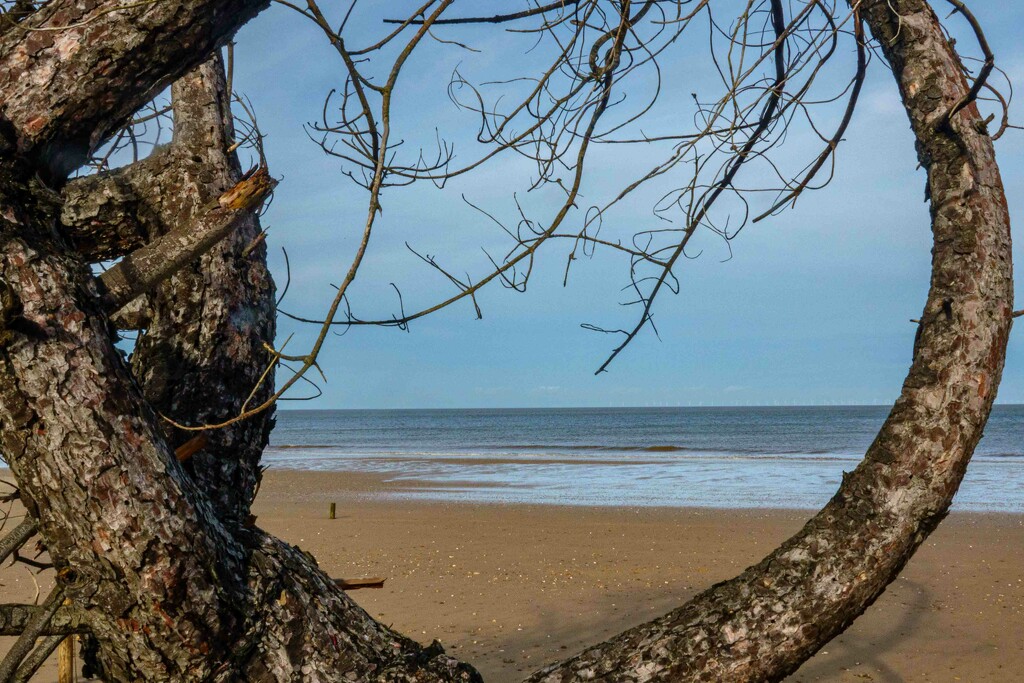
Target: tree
{"type": "Point", "coordinates": [161, 560]}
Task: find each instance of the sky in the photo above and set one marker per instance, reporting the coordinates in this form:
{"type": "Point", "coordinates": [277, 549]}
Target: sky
{"type": "Point", "coordinates": [809, 307]}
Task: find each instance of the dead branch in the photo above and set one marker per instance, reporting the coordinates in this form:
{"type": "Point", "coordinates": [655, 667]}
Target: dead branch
{"type": "Point", "coordinates": [356, 584]}
{"type": "Point", "coordinates": [35, 626]}
{"type": "Point", "coordinates": [31, 664]}
{"type": "Point", "coordinates": [18, 536]}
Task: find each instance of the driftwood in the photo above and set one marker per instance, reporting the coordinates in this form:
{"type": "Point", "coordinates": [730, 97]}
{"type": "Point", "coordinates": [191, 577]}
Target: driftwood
{"type": "Point", "coordinates": [356, 584]}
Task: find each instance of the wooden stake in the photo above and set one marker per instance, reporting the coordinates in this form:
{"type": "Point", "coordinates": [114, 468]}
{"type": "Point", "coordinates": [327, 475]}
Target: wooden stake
{"type": "Point", "coordinates": [66, 658]}
{"type": "Point", "coordinates": [333, 509]}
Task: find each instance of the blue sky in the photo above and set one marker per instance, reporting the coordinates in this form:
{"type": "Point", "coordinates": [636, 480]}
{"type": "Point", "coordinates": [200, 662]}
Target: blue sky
{"type": "Point", "coordinates": [813, 306]}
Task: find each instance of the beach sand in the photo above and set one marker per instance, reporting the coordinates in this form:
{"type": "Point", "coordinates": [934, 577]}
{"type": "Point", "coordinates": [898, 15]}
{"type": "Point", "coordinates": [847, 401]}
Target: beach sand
{"type": "Point", "coordinates": [511, 587]}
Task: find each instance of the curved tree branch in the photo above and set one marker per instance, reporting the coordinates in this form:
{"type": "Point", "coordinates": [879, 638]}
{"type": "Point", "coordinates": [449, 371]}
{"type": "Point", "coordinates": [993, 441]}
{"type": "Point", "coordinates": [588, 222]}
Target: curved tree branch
{"type": "Point", "coordinates": [763, 624]}
{"type": "Point", "coordinates": [107, 215]}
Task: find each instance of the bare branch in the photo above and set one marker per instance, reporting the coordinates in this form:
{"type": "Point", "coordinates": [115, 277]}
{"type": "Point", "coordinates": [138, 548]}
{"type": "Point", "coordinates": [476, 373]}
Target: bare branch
{"type": "Point", "coordinates": [496, 19]}
{"type": "Point", "coordinates": [18, 536]}
{"type": "Point", "coordinates": [42, 651]}
{"type": "Point", "coordinates": [14, 618]}
{"type": "Point", "coordinates": [34, 627]}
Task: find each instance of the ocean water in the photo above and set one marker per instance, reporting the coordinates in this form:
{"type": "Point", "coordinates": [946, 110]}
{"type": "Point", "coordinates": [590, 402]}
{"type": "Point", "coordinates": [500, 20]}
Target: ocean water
{"type": "Point", "coordinates": [772, 457]}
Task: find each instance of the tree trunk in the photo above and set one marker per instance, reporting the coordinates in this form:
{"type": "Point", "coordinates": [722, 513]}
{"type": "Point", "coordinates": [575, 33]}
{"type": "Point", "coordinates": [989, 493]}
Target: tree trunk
{"type": "Point", "coordinates": [166, 579]}
{"type": "Point", "coordinates": [204, 349]}
{"type": "Point", "coordinates": [762, 625]}
{"type": "Point", "coordinates": [74, 72]}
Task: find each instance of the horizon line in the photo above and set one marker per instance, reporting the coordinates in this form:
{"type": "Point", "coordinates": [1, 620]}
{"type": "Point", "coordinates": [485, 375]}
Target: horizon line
{"type": "Point", "coordinates": [606, 407]}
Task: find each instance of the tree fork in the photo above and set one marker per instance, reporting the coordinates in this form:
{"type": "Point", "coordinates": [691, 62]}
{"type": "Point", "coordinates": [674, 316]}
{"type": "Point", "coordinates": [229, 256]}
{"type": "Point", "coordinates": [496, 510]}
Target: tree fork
{"type": "Point", "coordinates": [203, 350]}
{"type": "Point", "coordinates": [107, 215]}
{"type": "Point", "coordinates": [14, 618]}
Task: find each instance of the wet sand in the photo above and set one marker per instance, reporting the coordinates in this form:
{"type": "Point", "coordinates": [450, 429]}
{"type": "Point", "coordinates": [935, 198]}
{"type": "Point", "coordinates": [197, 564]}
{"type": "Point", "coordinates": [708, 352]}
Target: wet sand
{"type": "Point", "coordinates": [511, 587]}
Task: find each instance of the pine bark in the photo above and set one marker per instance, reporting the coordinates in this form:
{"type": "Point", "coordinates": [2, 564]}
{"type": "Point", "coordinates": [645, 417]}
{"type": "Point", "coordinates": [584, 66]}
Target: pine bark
{"type": "Point", "coordinates": [157, 559]}
{"type": "Point", "coordinates": [763, 624]}
{"type": "Point", "coordinates": [62, 95]}
{"type": "Point", "coordinates": [204, 349]}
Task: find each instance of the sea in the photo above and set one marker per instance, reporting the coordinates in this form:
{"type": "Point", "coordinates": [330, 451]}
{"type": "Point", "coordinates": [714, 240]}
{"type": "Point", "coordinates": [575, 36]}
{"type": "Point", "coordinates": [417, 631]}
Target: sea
{"type": "Point", "coordinates": [756, 457]}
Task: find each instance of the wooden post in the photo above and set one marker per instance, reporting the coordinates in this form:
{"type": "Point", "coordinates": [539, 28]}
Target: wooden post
{"type": "Point", "coordinates": [66, 660]}
{"type": "Point", "coordinates": [333, 506]}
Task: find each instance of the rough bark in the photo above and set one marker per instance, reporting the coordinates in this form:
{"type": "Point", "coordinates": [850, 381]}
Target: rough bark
{"type": "Point", "coordinates": [203, 351]}
{"type": "Point", "coordinates": [166, 589]}
{"type": "Point", "coordinates": [135, 315]}
{"type": "Point", "coordinates": [44, 648]}
{"type": "Point", "coordinates": [139, 558]}
{"type": "Point", "coordinates": [107, 216]}
{"type": "Point", "coordinates": [34, 628]}
{"type": "Point", "coordinates": [158, 559]}
{"type": "Point", "coordinates": [142, 270]}
{"type": "Point", "coordinates": [60, 96]}
{"type": "Point", "coordinates": [17, 538]}
{"type": "Point", "coordinates": [763, 624]}
{"type": "Point", "coordinates": [170, 591]}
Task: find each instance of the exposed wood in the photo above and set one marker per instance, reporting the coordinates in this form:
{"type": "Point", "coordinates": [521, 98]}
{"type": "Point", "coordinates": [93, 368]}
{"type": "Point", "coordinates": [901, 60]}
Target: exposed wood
{"type": "Point", "coordinates": [66, 660]}
{"type": "Point", "coordinates": [202, 354]}
{"type": "Point", "coordinates": [156, 554]}
{"type": "Point", "coordinates": [164, 577]}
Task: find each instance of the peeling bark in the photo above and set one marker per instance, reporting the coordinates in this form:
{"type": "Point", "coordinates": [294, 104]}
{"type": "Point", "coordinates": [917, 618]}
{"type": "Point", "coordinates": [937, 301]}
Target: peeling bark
{"type": "Point", "coordinates": [763, 624]}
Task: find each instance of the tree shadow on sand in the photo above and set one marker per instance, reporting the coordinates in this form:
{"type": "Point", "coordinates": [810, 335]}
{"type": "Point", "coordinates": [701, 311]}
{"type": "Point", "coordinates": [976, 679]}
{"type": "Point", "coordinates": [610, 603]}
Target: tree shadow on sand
{"type": "Point", "coordinates": [862, 647]}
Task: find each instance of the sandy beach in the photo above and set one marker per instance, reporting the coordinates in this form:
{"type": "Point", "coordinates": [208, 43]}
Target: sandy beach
{"type": "Point", "coordinates": [511, 587]}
